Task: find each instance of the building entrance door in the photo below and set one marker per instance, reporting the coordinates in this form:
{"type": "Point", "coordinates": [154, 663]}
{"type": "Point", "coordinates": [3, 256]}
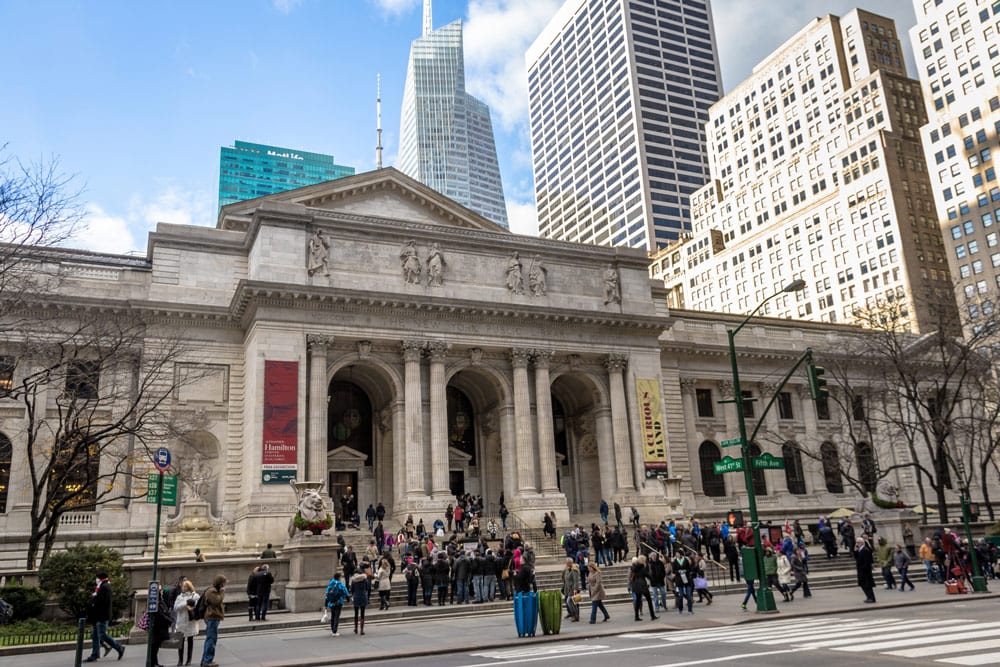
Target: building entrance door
{"type": "Point", "coordinates": [340, 482]}
{"type": "Point", "coordinates": [456, 482]}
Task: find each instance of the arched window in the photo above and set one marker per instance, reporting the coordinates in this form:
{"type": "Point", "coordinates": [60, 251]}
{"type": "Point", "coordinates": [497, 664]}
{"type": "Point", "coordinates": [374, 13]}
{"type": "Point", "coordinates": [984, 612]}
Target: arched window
{"type": "Point", "coordinates": [759, 481]}
{"type": "Point", "coordinates": [794, 476]}
{"type": "Point", "coordinates": [831, 467]}
{"type": "Point", "coordinates": [6, 451]}
{"type": "Point", "coordinates": [867, 472]}
{"type": "Point", "coordinates": [712, 484]}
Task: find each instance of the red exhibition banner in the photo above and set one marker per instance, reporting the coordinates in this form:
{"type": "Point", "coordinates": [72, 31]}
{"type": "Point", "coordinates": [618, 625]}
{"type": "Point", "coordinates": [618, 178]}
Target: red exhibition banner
{"type": "Point", "coordinates": [281, 416]}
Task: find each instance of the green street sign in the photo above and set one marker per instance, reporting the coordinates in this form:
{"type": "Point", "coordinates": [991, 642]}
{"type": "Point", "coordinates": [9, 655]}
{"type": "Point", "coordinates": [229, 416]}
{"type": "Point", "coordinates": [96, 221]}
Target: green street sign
{"type": "Point", "coordinates": [169, 489]}
{"type": "Point", "coordinates": [768, 462]}
{"type": "Point", "coordinates": [728, 464]}
{"type": "Point", "coordinates": [732, 442]}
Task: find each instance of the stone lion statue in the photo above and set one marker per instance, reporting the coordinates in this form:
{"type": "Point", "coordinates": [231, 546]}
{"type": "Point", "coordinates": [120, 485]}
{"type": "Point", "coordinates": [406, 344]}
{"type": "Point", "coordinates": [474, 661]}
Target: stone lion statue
{"type": "Point", "coordinates": [310, 509]}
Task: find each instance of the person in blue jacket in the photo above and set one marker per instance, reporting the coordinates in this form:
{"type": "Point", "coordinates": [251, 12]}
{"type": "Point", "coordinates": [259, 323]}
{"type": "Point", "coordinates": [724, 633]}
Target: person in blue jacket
{"type": "Point", "coordinates": [336, 595]}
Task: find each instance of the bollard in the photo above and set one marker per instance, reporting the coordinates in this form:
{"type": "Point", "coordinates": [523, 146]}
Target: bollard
{"type": "Point", "coordinates": [80, 625]}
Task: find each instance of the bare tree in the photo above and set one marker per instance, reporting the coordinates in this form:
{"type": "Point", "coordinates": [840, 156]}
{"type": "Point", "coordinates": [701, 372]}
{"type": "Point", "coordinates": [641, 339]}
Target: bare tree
{"type": "Point", "coordinates": [40, 208]}
{"type": "Point", "coordinates": [96, 391]}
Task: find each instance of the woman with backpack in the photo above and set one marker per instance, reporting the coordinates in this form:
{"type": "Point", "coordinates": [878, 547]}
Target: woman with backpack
{"type": "Point", "coordinates": [336, 596]}
{"type": "Point", "coordinates": [184, 621]}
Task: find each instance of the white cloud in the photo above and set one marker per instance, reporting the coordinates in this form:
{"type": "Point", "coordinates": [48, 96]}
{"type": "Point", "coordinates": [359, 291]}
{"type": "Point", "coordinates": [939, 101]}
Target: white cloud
{"type": "Point", "coordinates": [497, 34]}
{"type": "Point", "coordinates": [104, 231]}
{"type": "Point", "coordinates": [396, 7]}
{"type": "Point", "coordinates": [522, 217]}
{"type": "Point", "coordinates": [286, 6]}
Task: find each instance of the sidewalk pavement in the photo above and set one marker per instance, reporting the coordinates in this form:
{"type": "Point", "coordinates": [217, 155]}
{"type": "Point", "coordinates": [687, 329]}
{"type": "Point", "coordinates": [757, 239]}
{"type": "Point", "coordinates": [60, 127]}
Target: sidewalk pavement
{"type": "Point", "coordinates": [389, 636]}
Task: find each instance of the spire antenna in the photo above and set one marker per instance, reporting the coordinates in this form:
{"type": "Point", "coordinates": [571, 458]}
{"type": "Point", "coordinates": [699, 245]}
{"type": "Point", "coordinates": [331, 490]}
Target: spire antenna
{"type": "Point", "coordinates": [378, 120]}
{"type": "Point", "coordinates": [428, 22]}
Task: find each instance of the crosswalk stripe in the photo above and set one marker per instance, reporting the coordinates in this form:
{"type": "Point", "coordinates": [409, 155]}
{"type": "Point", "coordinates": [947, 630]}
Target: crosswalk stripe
{"type": "Point", "coordinates": [742, 631]}
{"type": "Point", "coordinates": [964, 648]}
{"type": "Point", "coordinates": [984, 659]}
{"type": "Point", "coordinates": [934, 638]}
{"type": "Point", "coordinates": [536, 650]}
{"type": "Point", "coordinates": [837, 635]}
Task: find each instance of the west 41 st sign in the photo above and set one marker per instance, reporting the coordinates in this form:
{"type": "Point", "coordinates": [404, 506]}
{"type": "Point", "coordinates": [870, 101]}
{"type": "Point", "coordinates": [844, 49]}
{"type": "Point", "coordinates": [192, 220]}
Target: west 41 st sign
{"type": "Point", "coordinates": [763, 462]}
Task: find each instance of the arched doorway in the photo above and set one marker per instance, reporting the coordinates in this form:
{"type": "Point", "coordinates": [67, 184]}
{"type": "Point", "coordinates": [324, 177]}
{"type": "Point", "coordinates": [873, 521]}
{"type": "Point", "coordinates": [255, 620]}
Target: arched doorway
{"type": "Point", "coordinates": [476, 398]}
{"type": "Point", "coordinates": [578, 410]}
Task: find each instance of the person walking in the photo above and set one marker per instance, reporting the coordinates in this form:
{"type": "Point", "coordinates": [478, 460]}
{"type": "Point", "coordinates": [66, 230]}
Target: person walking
{"type": "Point", "coordinates": [184, 624]}
{"type": "Point", "coordinates": [370, 517]}
{"type": "Point", "coordinates": [700, 581]}
{"type": "Point", "coordinates": [604, 511]}
{"type": "Point", "coordinates": [927, 555]}
{"type": "Point", "coordinates": [799, 574]}
{"type": "Point", "coordinates": [99, 615]}
{"type": "Point", "coordinates": [336, 595]}
{"type": "Point", "coordinates": [683, 570]}
{"type": "Point", "coordinates": [733, 558]}
{"type": "Point", "coordinates": [658, 580]}
{"type": "Point", "coordinates": [618, 516]}
{"type": "Point", "coordinates": [214, 615]}
{"type": "Point", "coordinates": [383, 583]}
{"type": "Point", "coordinates": [639, 579]}
{"type": "Point", "coordinates": [784, 573]}
{"type": "Point", "coordinates": [901, 560]}
{"type": "Point", "coordinates": [884, 555]}
{"type": "Point", "coordinates": [863, 559]}
{"type": "Point", "coordinates": [751, 591]}
{"type": "Point", "coordinates": [361, 589]}
{"type": "Point", "coordinates": [159, 627]}
{"type": "Point", "coordinates": [263, 580]}
{"type": "Point", "coordinates": [595, 584]}
{"type": "Point", "coordinates": [570, 587]}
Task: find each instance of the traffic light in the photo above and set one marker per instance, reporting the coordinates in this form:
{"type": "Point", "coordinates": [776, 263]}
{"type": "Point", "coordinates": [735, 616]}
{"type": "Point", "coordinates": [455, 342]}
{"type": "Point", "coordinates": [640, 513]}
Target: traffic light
{"type": "Point", "coordinates": [817, 383]}
{"type": "Point", "coordinates": [736, 518]}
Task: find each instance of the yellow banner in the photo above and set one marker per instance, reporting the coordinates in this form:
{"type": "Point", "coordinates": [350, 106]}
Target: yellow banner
{"type": "Point", "coordinates": [654, 447]}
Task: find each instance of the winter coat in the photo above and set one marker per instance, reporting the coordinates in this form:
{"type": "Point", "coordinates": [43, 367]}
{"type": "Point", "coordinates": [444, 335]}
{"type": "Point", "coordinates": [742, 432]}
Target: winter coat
{"type": "Point", "coordinates": [100, 603]}
{"type": "Point", "coordinates": [657, 573]}
{"type": "Point", "coordinates": [382, 577]}
{"type": "Point", "coordinates": [214, 596]}
{"type": "Point", "coordinates": [901, 559]}
{"type": "Point", "coordinates": [864, 564]}
{"type": "Point", "coordinates": [361, 589]}
{"type": "Point", "coordinates": [595, 583]}
{"type": "Point", "coordinates": [571, 580]}
{"type": "Point", "coordinates": [770, 564]}
{"type": "Point", "coordinates": [784, 571]}
{"type": "Point", "coordinates": [798, 569]}
{"type": "Point", "coordinates": [183, 622]}
{"type": "Point", "coordinates": [344, 593]}
{"type": "Point", "coordinates": [262, 581]}
{"type": "Point", "coordinates": [884, 554]}
{"type": "Point", "coordinates": [683, 571]}
{"type": "Point", "coordinates": [638, 577]}
{"type": "Point", "coordinates": [442, 572]}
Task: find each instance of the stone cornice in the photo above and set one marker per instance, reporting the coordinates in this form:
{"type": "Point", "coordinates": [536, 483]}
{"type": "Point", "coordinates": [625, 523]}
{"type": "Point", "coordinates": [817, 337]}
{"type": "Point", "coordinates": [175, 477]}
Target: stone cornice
{"type": "Point", "coordinates": [248, 293]}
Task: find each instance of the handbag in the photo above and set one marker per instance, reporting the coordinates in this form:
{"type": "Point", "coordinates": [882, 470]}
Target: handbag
{"type": "Point", "coordinates": [700, 583]}
{"type": "Point", "coordinates": [143, 622]}
{"type": "Point", "coordinates": [375, 585]}
{"type": "Point", "coordinates": [505, 575]}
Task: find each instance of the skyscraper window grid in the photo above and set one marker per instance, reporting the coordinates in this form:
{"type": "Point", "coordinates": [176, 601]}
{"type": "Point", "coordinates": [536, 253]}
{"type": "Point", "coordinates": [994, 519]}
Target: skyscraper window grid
{"type": "Point", "coordinates": [618, 94]}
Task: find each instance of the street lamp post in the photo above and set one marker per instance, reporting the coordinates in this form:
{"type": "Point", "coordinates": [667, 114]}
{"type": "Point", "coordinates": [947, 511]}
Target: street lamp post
{"type": "Point", "coordinates": [978, 580]}
{"type": "Point", "coordinates": [765, 598]}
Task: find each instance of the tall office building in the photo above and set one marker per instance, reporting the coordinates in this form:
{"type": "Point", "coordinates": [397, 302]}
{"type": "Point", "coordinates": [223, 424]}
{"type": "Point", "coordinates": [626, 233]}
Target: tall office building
{"type": "Point", "coordinates": [818, 173]}
{"type": "Point", "coordinates": [247, 171]}
{"type": "Point", "coordinates": [446, 136]}
{"type": "Point", "coordinates": [619, 92]}
{"type": "Point", "coordinates": [957, 48]}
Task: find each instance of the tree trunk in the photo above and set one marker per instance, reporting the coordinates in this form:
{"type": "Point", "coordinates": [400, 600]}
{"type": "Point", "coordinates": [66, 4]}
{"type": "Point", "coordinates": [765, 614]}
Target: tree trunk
{"type": "Point", "coordinates": [941, 502]}
{"type": "Point", "coordinates": [923, 493]}
{"type": "Point", "coordinates": [983, 467]}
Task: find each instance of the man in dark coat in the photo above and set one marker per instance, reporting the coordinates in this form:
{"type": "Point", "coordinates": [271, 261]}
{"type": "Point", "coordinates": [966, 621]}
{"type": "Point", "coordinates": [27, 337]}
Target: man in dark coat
{"type": "Point", "coordinates": [618, 515]}
{"type": "Point", "coordinates": [100, 615]}
{"type": "Point", "coordinates": [864, 557]}
{"type": "Point", "coordinates": [262, 581]}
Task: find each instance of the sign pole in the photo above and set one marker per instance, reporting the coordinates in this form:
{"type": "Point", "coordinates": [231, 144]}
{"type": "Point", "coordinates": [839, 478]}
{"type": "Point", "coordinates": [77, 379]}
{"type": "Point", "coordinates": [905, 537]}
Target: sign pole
{"type": "Point", "coordinates": [153, 598]}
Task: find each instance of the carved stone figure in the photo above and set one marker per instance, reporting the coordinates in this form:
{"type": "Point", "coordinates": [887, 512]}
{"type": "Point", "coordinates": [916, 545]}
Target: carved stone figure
{"type": "Point", "coordinates": [435, 266]}
{"type": "Point", "coordinates": [612, 287]}
{"type": "Point", "coordinates": [319, 254]}
{"type": "Point", "coordinates": [310, 505]}
{"type": "Point", "coordinates": [515, 276]}
{"type": "Point", "coordinates": [410, 263]}
{"type": "Point", "coordinates": [537, 274]}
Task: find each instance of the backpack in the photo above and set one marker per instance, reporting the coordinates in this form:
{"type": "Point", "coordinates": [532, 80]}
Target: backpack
{"type": "Point", "coordinates": [198, 613]}
{"type": "Point", "coordinates": [335, 596]}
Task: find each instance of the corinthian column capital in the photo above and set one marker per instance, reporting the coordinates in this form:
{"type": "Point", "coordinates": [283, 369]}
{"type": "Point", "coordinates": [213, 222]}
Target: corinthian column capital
{"type": "Point", "coordinates": [616, 362]}
{"type": "Point", "coordinates": [542, 358]}
{"type": "Point", "coordinates": [412, 349]}
{"type": "Point", "coordinates": [437, 350]}
{"type": "Point", "coordinates": [318, 342]}
{"type": "Point", "coordinates": [520, 356]}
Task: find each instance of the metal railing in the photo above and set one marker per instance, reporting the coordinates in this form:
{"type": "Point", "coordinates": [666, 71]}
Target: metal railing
{"type": "Point", "coordinates": [52, 637]}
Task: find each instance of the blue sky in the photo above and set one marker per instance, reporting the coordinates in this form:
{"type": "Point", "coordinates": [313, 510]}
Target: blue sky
{"type": "Point", "coordinates": [136, 98]}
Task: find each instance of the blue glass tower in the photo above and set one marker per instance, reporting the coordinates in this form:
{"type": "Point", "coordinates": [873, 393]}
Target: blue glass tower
{"type": "Point", "coordinates": [446, 136]}
{"type": "Point", "coordinates": [248, 171]}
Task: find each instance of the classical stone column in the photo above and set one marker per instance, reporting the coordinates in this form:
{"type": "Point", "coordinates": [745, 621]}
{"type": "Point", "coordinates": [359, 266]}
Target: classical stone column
{"type": "Point", "coordinates": [508, 450]}
{"type": "Point", "coordinates": [318, 389]}
{"type": "Point", "coordinates": [615, 363]}
{"type": "Point", "coordinates": [543, 412]}
{"type": "Point", "coordinates": [398, 455]}
{"type": "Point", "coordinates": [414, 419]}
{"type": "Point", "coordinates": [438, 350]}
{"type": "Point", "coordinates": [811, 468]}
{"type": "Point", "coordinates": [519, 358]}
{"type": "Point", "coordinates": [606, 452]}
{"type": "Point", "coordinates": [690, 410]}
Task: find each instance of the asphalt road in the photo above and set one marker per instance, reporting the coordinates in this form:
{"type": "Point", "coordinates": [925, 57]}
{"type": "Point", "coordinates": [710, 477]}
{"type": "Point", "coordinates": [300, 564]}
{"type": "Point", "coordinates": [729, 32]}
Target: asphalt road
{"type": "Point", "coordinates": [966, 633]}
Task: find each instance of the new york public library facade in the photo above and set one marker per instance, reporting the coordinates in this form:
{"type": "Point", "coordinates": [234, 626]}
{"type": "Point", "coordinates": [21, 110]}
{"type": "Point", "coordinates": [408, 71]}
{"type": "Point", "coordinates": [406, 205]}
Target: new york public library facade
{"type": "Point", "coordinates": [370, 333]}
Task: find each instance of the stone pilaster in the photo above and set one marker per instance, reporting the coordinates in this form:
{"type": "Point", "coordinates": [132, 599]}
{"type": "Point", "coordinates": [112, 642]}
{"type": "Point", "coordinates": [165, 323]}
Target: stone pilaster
{"type": "Point", "coordinates": [438, 350]}
{"type": "Point", "coordinates": [413, 419]}
{"type": "Point", "coordinates": [615, 363]}
{"type": "Point", "coordinates": [519, 358]}
{"type": "Point", "coordinates": [318, 389]}
{"type": "Point", "coordinates": [606, 452]}
{"type": "Point", "coordinates": [543, 411]}
{"type": "Point", "coordinates": [690, 411]}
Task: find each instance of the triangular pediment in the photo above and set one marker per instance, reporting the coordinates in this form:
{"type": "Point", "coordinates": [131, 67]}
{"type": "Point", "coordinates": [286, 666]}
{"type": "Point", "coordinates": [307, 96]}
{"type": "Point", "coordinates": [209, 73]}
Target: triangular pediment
{"type": "Point", "coordinates": [383, 193]}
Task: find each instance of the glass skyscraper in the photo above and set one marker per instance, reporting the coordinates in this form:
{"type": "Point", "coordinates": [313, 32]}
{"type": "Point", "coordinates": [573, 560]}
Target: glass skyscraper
{"type": "Point", "coordinates": [618, 94]}
{"type": "Point", "coordinates": [247, 171]}
{"type": "Point", "coordinates": [446, 136]}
